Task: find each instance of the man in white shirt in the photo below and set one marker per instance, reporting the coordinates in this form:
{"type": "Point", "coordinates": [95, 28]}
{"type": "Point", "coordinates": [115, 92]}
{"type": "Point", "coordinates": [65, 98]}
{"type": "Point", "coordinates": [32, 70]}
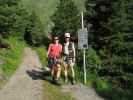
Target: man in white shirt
{"type": "Point", "coordinates": [68, 57]}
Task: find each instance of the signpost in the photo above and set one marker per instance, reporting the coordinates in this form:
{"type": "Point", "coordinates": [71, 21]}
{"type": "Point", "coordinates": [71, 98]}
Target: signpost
{"type": "Point", "coordinates": [83, 44]}
{"type": "Point", "coordinates": [83, 39]}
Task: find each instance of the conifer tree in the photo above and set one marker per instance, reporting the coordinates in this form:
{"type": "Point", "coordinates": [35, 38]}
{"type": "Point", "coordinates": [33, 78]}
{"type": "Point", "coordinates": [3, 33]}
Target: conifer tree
{"type": "Point", "coordinates": [112, 35]}
{"type": "Point", "coordinates": [13, 18]}
{"type": "Point", "coordinates": [66, 18]}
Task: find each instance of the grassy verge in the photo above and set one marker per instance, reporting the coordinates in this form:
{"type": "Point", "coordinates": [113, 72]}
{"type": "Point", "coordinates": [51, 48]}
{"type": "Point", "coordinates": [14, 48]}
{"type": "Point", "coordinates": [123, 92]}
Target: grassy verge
{"type": "Point", "coordinates": [111, 92]}
{"type": "Point", "coordinates": [42, 53]}
{"type": "Point", "coordinates": [54, 93]}
{"type": "Point", "coordinates": [105, 86]}
{"type": "Point", "coordinates": [107, 90]}
{"type": "Point", "coordinates": [11, 57]}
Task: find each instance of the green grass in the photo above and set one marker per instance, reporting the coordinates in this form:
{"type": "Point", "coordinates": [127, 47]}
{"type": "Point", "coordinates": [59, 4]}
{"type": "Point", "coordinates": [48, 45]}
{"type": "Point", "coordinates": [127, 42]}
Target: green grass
{"type": "Point", "coordinates": [54, 93]}
{"type": "Point", "coordinates": [42, 53]}
{"type": "Point", "coordinates": [11, 56]}
{"type": "Point", "coordinates": [106, 89]}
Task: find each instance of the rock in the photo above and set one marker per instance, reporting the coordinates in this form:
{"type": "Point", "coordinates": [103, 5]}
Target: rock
{"type": "Point", "coordinates": [1, 62]}
{"type": "Point", "coordinates": [2, 77]}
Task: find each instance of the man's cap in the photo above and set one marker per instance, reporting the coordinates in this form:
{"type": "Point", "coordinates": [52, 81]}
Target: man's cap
{"type": "Point", "coordinates": [67, 35]}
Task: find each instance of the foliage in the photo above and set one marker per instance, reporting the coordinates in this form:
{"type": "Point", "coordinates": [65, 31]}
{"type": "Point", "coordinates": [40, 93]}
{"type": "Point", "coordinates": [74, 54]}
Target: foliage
{"type": "Point", "coordinates": [12, 56]}
{"type": "Point", "coordinates": [111, 36]}
{"type": "Point", "coordinates": [13, 18]}
{"type": "Point", "coordinates": [93, 64]}
{"type": "Point", "coordinates": [66, 18]}
{"type": "Point", "coordinates": [34, 33]}
{"type": "Point", "coordinates": [109, 91]}
{"type": "Point", "coordinates": [46, 8]}
{"type": "Point", "coordinates": [43, 9]}
{"type": "Point", "coordinates": [93, 61]}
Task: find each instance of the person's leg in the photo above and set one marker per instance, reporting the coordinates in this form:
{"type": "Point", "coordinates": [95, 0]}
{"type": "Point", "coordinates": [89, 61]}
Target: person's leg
{"type": "Point", "coordinates": [51, 66]}
{"type": "Point", "coordinates": [72, 72]}
{"type": "Point", "coordinates": [53, 72]}
{"type": "Point", "coordinates": [53, 69]}
{"type": "Point", "coordinates": [58, 71]}
{"type": "Point", "coordinates": [66, 71]}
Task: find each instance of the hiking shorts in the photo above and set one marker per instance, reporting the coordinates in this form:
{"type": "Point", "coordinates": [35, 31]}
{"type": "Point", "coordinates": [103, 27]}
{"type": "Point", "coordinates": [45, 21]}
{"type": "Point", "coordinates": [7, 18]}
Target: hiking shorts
{"type": "Point", "coordinates": [53, 61]}
{"type": "Point", "coordinates": [68, 61]}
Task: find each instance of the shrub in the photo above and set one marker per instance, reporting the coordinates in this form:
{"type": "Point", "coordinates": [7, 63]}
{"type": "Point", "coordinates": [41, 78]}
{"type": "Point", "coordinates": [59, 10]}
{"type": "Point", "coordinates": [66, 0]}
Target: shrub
{"type": "Point", "coordinates": [93, 64]}
{"type": "Point", "coordinates": [11, 56]}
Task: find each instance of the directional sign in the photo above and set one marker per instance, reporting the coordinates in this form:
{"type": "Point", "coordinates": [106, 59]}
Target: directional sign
{"type": "Point", "coordinates": [83, 38]}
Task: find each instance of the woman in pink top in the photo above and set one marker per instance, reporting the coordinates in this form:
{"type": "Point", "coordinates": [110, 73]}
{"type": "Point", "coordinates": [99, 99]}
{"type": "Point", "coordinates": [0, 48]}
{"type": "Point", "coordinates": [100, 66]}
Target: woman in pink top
{"type": "Point", "coordinates": [54, 55]}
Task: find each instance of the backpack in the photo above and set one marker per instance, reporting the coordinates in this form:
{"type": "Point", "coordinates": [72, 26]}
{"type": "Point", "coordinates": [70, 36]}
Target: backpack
{"type": "Point", "coordinates": [70, 49]}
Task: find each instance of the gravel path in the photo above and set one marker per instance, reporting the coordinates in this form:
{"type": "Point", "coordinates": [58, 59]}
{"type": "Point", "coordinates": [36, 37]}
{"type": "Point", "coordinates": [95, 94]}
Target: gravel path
{"type": "Point", "coordinates": [21, 86]}
{"type": "Point", "coordinates": [24, 86]}
{"type": "Point", "coordinates": [81, 92]}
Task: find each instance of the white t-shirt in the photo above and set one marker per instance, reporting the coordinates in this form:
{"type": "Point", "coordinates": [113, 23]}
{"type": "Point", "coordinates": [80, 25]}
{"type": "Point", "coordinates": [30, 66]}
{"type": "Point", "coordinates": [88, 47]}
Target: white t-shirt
{"type": "Point", "coordinates": [66, 50]}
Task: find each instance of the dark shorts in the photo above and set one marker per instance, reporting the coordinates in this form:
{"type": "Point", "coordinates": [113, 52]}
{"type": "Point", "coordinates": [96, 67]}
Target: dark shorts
{"type": "Point", "coordinates": [68, 61]}
{"type": "Point", "coordinates": [53, 61]}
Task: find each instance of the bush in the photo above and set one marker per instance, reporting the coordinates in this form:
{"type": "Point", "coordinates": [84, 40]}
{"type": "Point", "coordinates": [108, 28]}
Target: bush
{"type": "Point", "coordinates": [93, 61]}
{"type": "Point", "coordinates": [108, 91]}
{"type": "Point", "coordinates": [102, 85]}
{"type": "Point", "coordinates": [93, 64]}
{"type": "Point", "coordinates": [11, 56]}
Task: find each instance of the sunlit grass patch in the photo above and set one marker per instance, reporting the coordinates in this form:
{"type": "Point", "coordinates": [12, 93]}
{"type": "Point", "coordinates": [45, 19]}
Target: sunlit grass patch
{"type": "Point", "coordinates": [11, 56]}
{"type": "Point", "coordinates": [42, 53]}
{"type": "Point", "coordinates": [54, 92]}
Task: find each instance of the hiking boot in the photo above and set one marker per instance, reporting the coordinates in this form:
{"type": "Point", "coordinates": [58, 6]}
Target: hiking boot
{"type": "Point", "coordinates": [73, 81]}
{"type": "Point", "coordinates": [53, 80]}
{"type": "Point", "coordinates": [57, 82]}
{"type": "Point", "coordinates": [66, 80]}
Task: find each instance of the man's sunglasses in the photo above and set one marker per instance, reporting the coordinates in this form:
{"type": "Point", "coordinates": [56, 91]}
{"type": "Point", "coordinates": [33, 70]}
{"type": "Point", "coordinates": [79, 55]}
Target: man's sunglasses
{"type": "Point", "coordinates": [67, 37]}
{"type": "Point", "coordinates": [56, 39]}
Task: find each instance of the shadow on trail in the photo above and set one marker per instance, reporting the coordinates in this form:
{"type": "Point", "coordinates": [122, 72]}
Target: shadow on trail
{"type": "Point", "coordinates": [40, 75]}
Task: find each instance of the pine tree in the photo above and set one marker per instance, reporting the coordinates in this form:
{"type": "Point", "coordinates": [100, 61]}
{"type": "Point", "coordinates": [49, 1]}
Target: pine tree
{"type": "Point", "coordinates": [13, 17]}
{"type": "Point", "coordinates": [17, 21]}
{"type": "Point", "coordinates": [34, 31]}
{"type": "Point", "coordinates": [66, 18]}
{"type": "Point", "coordinates": [112, 35]}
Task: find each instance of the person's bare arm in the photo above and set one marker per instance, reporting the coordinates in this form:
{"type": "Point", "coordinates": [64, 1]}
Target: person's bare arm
{"type": "Point", "coordinates": [49, 48]}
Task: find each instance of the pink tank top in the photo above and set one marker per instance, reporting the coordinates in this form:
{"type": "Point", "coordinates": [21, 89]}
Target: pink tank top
{"type": "Point", "coordinates": [55, 50]}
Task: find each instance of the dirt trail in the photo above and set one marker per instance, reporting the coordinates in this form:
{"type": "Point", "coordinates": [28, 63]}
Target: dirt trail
{"type": "Point", "coordinates": [81, 92]}
{"type": "Point", "coordinates": [21, 86]}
